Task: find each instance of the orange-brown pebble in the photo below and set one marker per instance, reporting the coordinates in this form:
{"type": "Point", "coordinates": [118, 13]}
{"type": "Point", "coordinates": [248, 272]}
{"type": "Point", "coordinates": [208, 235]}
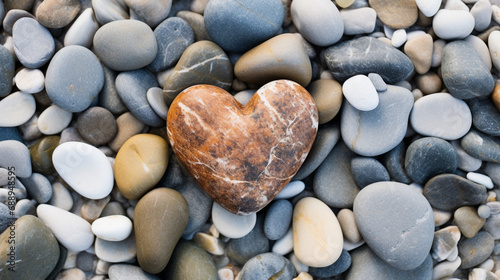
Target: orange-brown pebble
{"type": "Point", "coordinates": [495, 96]}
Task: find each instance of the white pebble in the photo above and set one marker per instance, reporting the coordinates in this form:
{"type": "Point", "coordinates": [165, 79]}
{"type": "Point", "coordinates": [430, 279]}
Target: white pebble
{"type": "Point", "coordinates": [53, 120]}
{"type": "Point", "coordinates": [494, 46]}
{"type": "Point", "coordinates": [30, 80]}
{"type": "Point", "coordinates": [61, 197]}
{"type": "Point", "coordinates": [477, 274]}
{"type": "Point", "coordinates": [155, 99]}
{"type": "Point", "coordinates": [359, 21]}
{"type": "Point", "coordinates": [428, 7]}
{"type": "Point", "coordinates": [361, 93]}
{"type": "Point", "coordinates": [232, 225]}
{"type": "Point", "coordinates": [480, 179]}
{"type": "Point", "coordinates": [284, 245]}
{"type": "Point", "coordinates": [225, 274]}
{"type": "Point", "coordinates": [445, 268]}
{"type": "Point", "coordinates": [291, 189]}
{"type": "Point", "coordinates": [487, 265]}
{"type": "Point", "coordinates": [112, 228]}
{"type": "Point", "coordinates": [398, 38]}
{"type": "Point", "coordinates": [17, 108]}
{"type": "Point", "coordinates": [453, 24]}
{"type": "Point", "coordinates": [495, 13]}
{"type": "Point", "coordinates": [481, 11]}
{"type": "Point", "coordinates": [457, 5]}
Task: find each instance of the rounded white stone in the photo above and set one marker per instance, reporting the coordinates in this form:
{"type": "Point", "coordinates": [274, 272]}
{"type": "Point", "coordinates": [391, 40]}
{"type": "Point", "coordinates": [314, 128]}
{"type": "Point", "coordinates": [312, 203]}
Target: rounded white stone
{"type": "Point", "coordinates": [284, 245]}
{"type": "Point", "coordinates": [494, 46]}
{"type": "Point", "coordinates": [72, 231]}
{"type": "Point", "coordinates": [465, 161]}
{"type": "Point", "coordinates": [445, 268]}
{"type": "Point", "coordinates": [481, 48]}
{"type": "Point", "coordinates": [291, 189]}
{"type": "Point", "coordinates": [481, 11]}
{"type": "Point", "coordinates": [82, 30]}
{"type": "Point", "coordinates": [495, 13]}
{"type": "Point", "coordinates": [458, 5]}
{"type": "Point", "coordinates": [453, 24]}
{"type": "Point", "coordinates": [428, 7]}
{"type": "Point", "coordinates": [30, 80]}
{"type": "Point", "coordinates": [232, 225]}
{"type": "Point", "coordinates": [16, 109]}
{"type": "Point", "coordinates": [112, 228]}
{"type": "Point", "coordinates": [225, 274]}
{"type": "Point", "coordinates": [317, 236]}
{"type": "Point", "coordinates": [85, 168]}
{"type": "Point", "coordinates": [116, 251]}
{"type": "Point", "coordinates": [61, 197]}
{"type": "Point", "coordinates": [441, 115]}
{"type": "Point", "coordinates": [53, 120]}
{"type": "Point", "coordinates": [155, 99]}
{"type": "Point", "coordinates": [361, 93]}
{"type": "Point", "coordinates": [481, 179]}
{"type": "Point", "coordinates": [359, 21]}
{"type": "Point", "coordinates": [399, 37]}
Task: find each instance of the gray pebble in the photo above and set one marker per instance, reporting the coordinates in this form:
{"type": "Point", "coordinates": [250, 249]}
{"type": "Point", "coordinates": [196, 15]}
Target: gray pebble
{"type": "Point", "coordinates": [337, 268]}
{"type": "Point", "coordinates": [367, 171]}
{"type": "Point", "coordinates": [7, 67]}
{"type": "Point", "coordinates": [394, 161]}
{"type": "Point", "coordinates": [38, 187]}
{"type": "Point", "coordinates": [377, 81]}
{"type": "Point", "coordinates": [97, 126]}
{"type": "Point", "coordinates": [33, 43]}
{"type": "Point", "coordinates": [483, 211]}
{"type": "Point", "coordinates": [200, 205]}
{"type": "Point", "coordinates": [129, 272]}
{"type": "Point", "coordinates": [475, 250]}
{"type": "Point", "coordinates": [12, 16]}
{"type": "Point", "coordinates": [481, 146]}
{"type": "Point", "coordinates": [485, 116]}
{"type": "Point", "coordinates": [267, 266]}
{"type": "Point", "coordinates": [278, 219]}
{"type": "Point", "coordinates": [241, 250]}
{"type": "Point", "coordinates": [15, 155]}
{"type": "Point", "coordinates": [108, 97]}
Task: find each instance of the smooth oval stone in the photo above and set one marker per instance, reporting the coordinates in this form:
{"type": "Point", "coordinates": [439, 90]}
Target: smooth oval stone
{"type": "Point", "coordinates": [291, 189]}
{"type": "Point", "coordinates": [17, 108]}
{"type": "Point", "coordinates": [267, 266]}
{"type": "Point", "coordinates": [108, 11]}
{"type": "Point", "coordinates": [485, 116]}
{"type": "Point", "coordinates": [116, 251]}
{"type": "Point", "coordinates": [12, 16]}
{"type": "Point", "coordinates": [404, 240]}
{"type": "Point", "coordinates": [112, 228]}
{"type": "Point", "coordinates": [33, 43]}
{"type": "Point", "coordinates": [475, 250]}
{"type": "Point", "coordinates": [278, 219]}
{"type": "Point", "coordinates": [367, 265]}
{"type": "Point", "coordinates": [53, 120]}
{"type": "Point", "coordinates": [7, 67]}
{"type": "Point", "coordinates": [160, 217]}
{"type": "Point", "coordinates": [29, 80]}
{"type": "Point", "coordinates": [38, 187]}
{"type": "Point", "coordinates": [97, 125]}
{"type": "Point", "coordinates": [85, 168]}
{"type": "Point", "coordinates": [450, 191]}
{"type": "Point", "coordinates": [348, 225]}
{"type": "Point", "coordinates": [372, 133]}
{"type": "Point", "coordinates": [74, 78]}
{"type": "Point", "coordinates": [327, 95]}
{"type": "Point", "coordinates": [128, 271]}
{"type": "Point", "coordinates": [82, 30]}
{"type": "Point", "coordinates": [429, 156]}
{"type": "Point", "coordinates": [317, 236]}
{"type": "Point", "coordinates": [61, 197]}
{"type": "Point", "coordinates": [201, 63]}
{"type": "Point", "coordinates": [41, 154]}
{"type": "Point", "coordinates": [358, 21]}
{"type": "Point", "coordinates": [360, 93]}
{"type": "Point", "coordinates": [35, 253]}
{"type": "Point", "coordinates": [232, 225]}
{"type": "Point", "coordinates": [453, 24]}
{"type": "Point", "coordinates": [441, 115]}
{"type": "Point", "coordinates": [284, 245]}
{"type": "Point", "coordinates": [57, 13]}
{"type": "Point", "coordinates": [151, 12]}
{"type": "Point", "coordinates": [419, 50]}
{"type": "Point", "coordinates": [128, 126]}
{"type": "Point", "coordinates": [367, 171]}
{"type": "Point", "coordinates": [190, 262]}
{"type": "Point", "coordinates": [367, 55]}
{"type": "Point", "coordinates": [155, 99]}
{"type": "Point", "coordinates": [140, 163]}
{"type": "Point", "coordinates": [72, 231]}
{"type": "Point", "coordinates": [319, 21]}
{"type": "Point", "coordinates": [468, 221]}
{"type": "Point", "coordinates": [396, 15]}
{"type": "Point", "coordinates": [200, 205]}
{"type": "Point", "coordinates": [125, 44]}
{"type": "Point", "coordinates": [240, 250]}
{"type": "Point", "coordinates": [481, 146]}
{"type": "Point", "coordinates": [480, 179]}
{"type": "Point", "coordinates": [173, 36]}
{"type": "Point", "coordinates": [337, 268]}
{"type": "Point", "coordinates": [281, 57]}
{"type": "Point", "coordinates": [108, 97]}
{"type": "Point", "coordinates": [15, 156]}
{"type": "Point", "coordinates": [463, 71]}
{"type": "Point", "coordinates": [256, 22]}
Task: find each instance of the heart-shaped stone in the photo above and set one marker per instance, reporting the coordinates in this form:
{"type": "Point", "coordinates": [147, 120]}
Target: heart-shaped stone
{"type": "Point", "coordinates": [243, 156]}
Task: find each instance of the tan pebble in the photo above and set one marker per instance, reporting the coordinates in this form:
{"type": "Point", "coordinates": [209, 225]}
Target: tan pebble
{"type": "Point", "coordinates": [92, 208]}
{"type": "Point", "coordinates": [128, 126]}
{"type": "Point", "coordinates": [140, 163]}
{"type": "Point", "coordinates": [344, 3]}
{"type": "Point", "coordinates": [209, 243]}
{"type": "Point", "coordinates": [348, 225]}
{"type": "Point", "coordinates": [71, 274]}
{"type": "Point", "coordinates": [468, 221]}
{"type": "Point", "coordinates": [495, 96]}
{"type": "Point", "coordinates": [303, 276]}
{"type": "Point", "coordinates": [214, 231]}
{"type": "Point", "coordinates": [396, 14]}
{"type": "Point", "coordinates": [417, 94]}
{"type": "Point", "coordinates": [385, 40]}
{"type": "Point", "coordinates": [419, 50]}
{"type": "Point", "coordinates": [327, 95]}
{"type": "Point", "coordinates": [441, 217]}
{"type": "Point", "coordinates": [102, 267]}
{"type": "Point", "coordinates": [428, 83]}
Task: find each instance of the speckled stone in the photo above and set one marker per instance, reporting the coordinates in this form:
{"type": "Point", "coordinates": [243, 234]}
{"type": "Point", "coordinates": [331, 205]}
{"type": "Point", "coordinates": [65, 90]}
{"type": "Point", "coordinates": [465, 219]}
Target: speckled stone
{"type": "Point", "coordinates": [33, 43]}
{"type": "Point", "coordinates": [6, 71]}
{"type": "Point", "coordinates": [481, 146]}
{"type": "Point", "coordinates": [295, 120]}
{"type": "Point", "coordinates": [190, 262]}
{"type": "Point", "coordinates": [328, 97]}
{"type": "Point", "coordinates": [485, 116]}
{"type": "Point", "coordinates": [97, 126]}
{"type": "Point", "coordinates": [396, 15]}
{"type": "Point", "coordinates": [57, 13]}
{"type": "Point", "coordinates": [267, 266]}
{"type": "Point", "coordinates": [41, 154]}
{"type": "Point", "coordinates": [475, 250]}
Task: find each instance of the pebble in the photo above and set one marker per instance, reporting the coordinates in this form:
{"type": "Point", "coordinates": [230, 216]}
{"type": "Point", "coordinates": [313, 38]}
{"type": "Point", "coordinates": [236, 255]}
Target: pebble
{"type": "Point", "coordinates": [473, 251]}
{"type": "Point", "coordinates": [128, 126]}
{"type": "Point", "coordinates": [116, 251]}
{"type": "Point", "coordinates": [446, 268]}
{"type": "Point", "coordinates": [151, 12]}
{"type": "Point", "coordinates": [232, 225]}
{"type": "Point", "coordinates": [404, 241]}
{"type": "Point", "coordinates": [190, 262]}
{"type": "Point", "coordinates": [483, 211]}
{"type": "Point", "coordinates": [284, 245]}
{"type": "Point", "coordinates": [155, 99]}
{"type": "Point", "coordinates": [34, 244]}
{"type": "Point", "coordinates": [108, 11]}
{"type": "Point", "coordinates": [481, 48]}
{"type": "Point", "coordinates": [358, 21]}
{"type": "Point", "coordinates": [453, 24]}
{"type": "Point", "coordinates": [428, 83]}
{"type": "Point", "coordinates": [278, 219]}
{"type": "Point", "coordinates": [377, 81]}
{"type": "Point", "coordinates": [386, 125]}
{"type": "Point", "coordinates": [290, 190]}
{"type": "Point", "coordinates": [53, 120]}
{"type": "Point", "coordinates": [281, 57]}
{"type": "Point", "coordinates": [429, 156]}
{"type": "Point", "coordinates": [445, 241]}
{"type": "Point", "coordinates": [17, 108]}
{"type": "Point", "coordinates": [394, 162]}
{"type": "Point", "coordinates": [428, 8]}
{"type": "Point", "coordinates": [82, 31]}
{"type": "Point", "coordinates": [367, 171]}
{"type": "Point", "coordinates": [201, 63]}
{"type": "Point", "coordinates": [28, 80]}
{"type": "Point", "coordinates": [266, 266]}
{"type": "Point", "coordinates": [360, 93]}
{"type": "Point", "coordinates": [480, 179]}
{"type": "Point", "coordinates": [485, 116]}
{"type": "Point", "coordinates": [468, 221]}
{"type": "Point", "coordinates": [398, 15]}
{"type": "Point", "coordinates": [481, 146]}
{"type": "Point", "coordinates": [256, 22]}
{"type": "Point", "coordinates": [200, 205]}
{"type": "Point", "coordinates": [38, 187]}
{"type": "Point", "coordinates": [327, 95]}
{"type": "Point", "coordinates": [437, 52]}
{"type": "Point", "coordinates": [57, 13]}
{"type": "Point", "coordinates": [463, 72]}
{"type": "Point", "coordinates": [112, 228]}
{"type": "Point", "coordinates": [85, 168]}
{"type": "Point", "coordinates": [41, 154]}
{"type": "Point", "coordinates": [15, 154]}
{"type": "Point", "coordinates": [209, 243]}
{"type": "Point", "coordinates": [492, 170]}
{"type": "Point", "coordinates": [7, 71]}
{"type": "Point", "coordinates": [240, 250]}
{"type": "Point", "coordinates": [61, 197]}
{"type": "Point", "coordinates": [108, 97]}
{"type": "Point", "coordinates": [24, 207]}
{"type": "Point", "coordinates": [139, 165]}
{"type": "Point", "coordinates": [493, 222]}
{"type": "Point", "coordinates": [97, 126]}
{"type": "Point", "coordinates": [125, 45]}
{"type": "Point", "coordinates": [337, 268]}
{"type": "Point", "coordinates": [197, 23]}
{"type": "Point", "coordinates": [391, 64]}
{"type": "Point", "coordinates": [160, 217]}
{"type": "Point", "coordinates": [348, 224]}
{"type": "Point", "coordinates": [12, 16]}
{"type": "Point", "coordinates": [128, 271]}
{"type": "Point", "coordinates": [29, 131]}
{"type": "Point", "coordinates": [398, 38]}
{"type": "Point", "coordinates": [325, 28]}
{"type": "Point", "coordinates": [317, 236]}
{"type": "Point", "coordinates": [456, 5]}
{"type": "Point", "coordinates": [74, 78]}
{"type": "Point", "coordinates": [419, 50]}
{"type": "Point", "coordinates": [481, 11]}
{"type": "Point", "coordinates": [72, 231]}
{"type": "Point", "coordinates": [33, 43]}
{"type": "Point", "coordinates": [494, 47]}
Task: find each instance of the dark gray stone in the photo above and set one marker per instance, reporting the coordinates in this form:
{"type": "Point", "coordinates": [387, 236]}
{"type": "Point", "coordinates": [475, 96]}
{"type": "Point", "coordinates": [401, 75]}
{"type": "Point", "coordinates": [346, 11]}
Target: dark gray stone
{"type": "Point", "coordinates": [481, 146]}
{"type": "Point", "coordinates": [333, 181]}
{"type": "Point", "coordinates": [429, 156]}
{"type": "Point", "coordinates": [7, 67]}
{"type": "Point", "coordinates": [132, 87]}
{"type": "Point", "coordinates": [97, 126]}
{"type": "Point", "coordinates": [394, 161]}
{"type": "Point", "coordinates": [464, 73]}
{"type": "Point", "coordinates": [173, 36]}
{"type": "Point", "coordinates": [267, 266]}
{"type": "Point", "coordinates": [33, 43]}
{"type": "Point", "coordinates": [338, 267]}
{"type": "Point", "coordinates": [197, 23]}
{"type": "Point", "coordinates": [328, 135]}
{"type": "Point", "coordinates": [367, 171]}
{"type": "Point", "coordinates": [108, 98]}
{"type": "Point", "coordinates": [200, 205]}
{"type": "Point", "coordinates": [10, 133]}
{"type": "Point", "coordinates": [397, 222]}
{"type": "Point", "coordinates": [129, 272]}
{"type": "Point", "coordinates": [278, 219]}
{"type": "Point", "coordinates": [449, 192]}
{"type": "Point", "coordinates": [74, 78]}
{"type": "Point", "coordinates": [256, 21]}
{"type": "Point", "coordinates": [367, 55]}
{"type": "Point", "coordinates": [475, 250]}
{"type": "Point", "coordinates": [38, 187]}
{"type": "Point", "coordinates": [174, 175]}
{"type": "Point", "coordinates": [240, 250]}
{"type": "Point", "coordinates": [485, 116]}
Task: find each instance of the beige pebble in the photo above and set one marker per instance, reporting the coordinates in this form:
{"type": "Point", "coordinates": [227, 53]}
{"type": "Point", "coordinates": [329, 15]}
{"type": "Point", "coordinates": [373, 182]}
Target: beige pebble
{"type": "Point", "coordinates": [303, 276]}
{"type": "Point", "coordinates": [327, 95]}
{"type": "Point", "coordinates": [428, 83]}
{"type": "Point", "coordinates": [344, 3]}
{"type": "Point", "coordinates": [441, 217]}
{"type": "Point", "coordinates": [71, 274]}
{"type": "Point", "coordinates": [128, 126]}
{"type": "Point", "coordinates": [209, 243]}
{"type": "Point", "coordinates": [348, 225]}
{"type": "Point", "coordinates": [92, 208]}
{"type": "Point", "coordinates": [419, 50]}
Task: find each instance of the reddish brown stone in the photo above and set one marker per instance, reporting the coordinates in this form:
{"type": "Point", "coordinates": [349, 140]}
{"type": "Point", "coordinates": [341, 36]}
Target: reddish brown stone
{"type": "Point", "coordinates": [243, 156]}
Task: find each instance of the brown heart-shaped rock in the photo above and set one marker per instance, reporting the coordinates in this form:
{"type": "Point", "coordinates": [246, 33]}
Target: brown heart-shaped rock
{"type": "Point", "coordinates": [243, 156]}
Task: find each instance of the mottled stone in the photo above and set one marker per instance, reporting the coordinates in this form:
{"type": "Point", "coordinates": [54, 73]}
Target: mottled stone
{"type": "Point", "coordinates": [445, 241]}
{"type": "Point", "coordinates": [97, 125]}
{"type": "Point", "coordinates": [57, 13]}
{"type": "Point", "coordinates": [475, 250]}
{"type": "Point", "coordinates": [240, 250]}
{"type": "Point", "coordinates": [160, 217]}
{"type": "Point", "coordinates": [33, 43]}
{"type": "Point", "coordinates": [151, 12]}
{"type": "Point", "coordinates": [485, 116]}
{"type": "Point", "coordinates": [271, 127]}
{"type": "Point", "coordinates": [396, 14]}
{"type": "Point", "coordinates": [481, 146]}
{"type": "Point", "coordinates": [15, 156]}
{"type": "Point", "coordinates": [41, 154]}
{"type": "Point", "coordinates": [7, 65]}
{"type": "Point", "coordinates": [267, 266]}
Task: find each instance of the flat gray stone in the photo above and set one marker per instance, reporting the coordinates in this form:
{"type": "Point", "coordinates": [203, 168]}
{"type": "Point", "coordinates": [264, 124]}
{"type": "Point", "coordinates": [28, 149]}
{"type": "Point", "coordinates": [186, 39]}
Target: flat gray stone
{"type": "Point", "coordinates": [7, 67]}
{"type": "Point", "coordinates": [485, 116]}
{"type": "Point", "coordinates": [367, 171]}
{"type": "Point", "coordinates": [38, 187]}
{"type": "Point", "coordinates": [15, 156]}
{"type": "Point", "coordinates": [33, 43]}
{"type": "Point", "coordinates": [481, 146]}
{"type": "Point", "coordinates": [200, 206]}
{"type": "Point", "coordinates": [474, 251]}
{"type": "Point", "coordinates": [394, 161]}
{"type": "Point", "coordinates": [278, 219]}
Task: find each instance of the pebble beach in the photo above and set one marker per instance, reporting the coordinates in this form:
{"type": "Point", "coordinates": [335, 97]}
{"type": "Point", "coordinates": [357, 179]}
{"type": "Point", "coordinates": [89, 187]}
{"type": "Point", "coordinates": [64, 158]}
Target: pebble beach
{"type": "Point", "coordinates": [249, 139]}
